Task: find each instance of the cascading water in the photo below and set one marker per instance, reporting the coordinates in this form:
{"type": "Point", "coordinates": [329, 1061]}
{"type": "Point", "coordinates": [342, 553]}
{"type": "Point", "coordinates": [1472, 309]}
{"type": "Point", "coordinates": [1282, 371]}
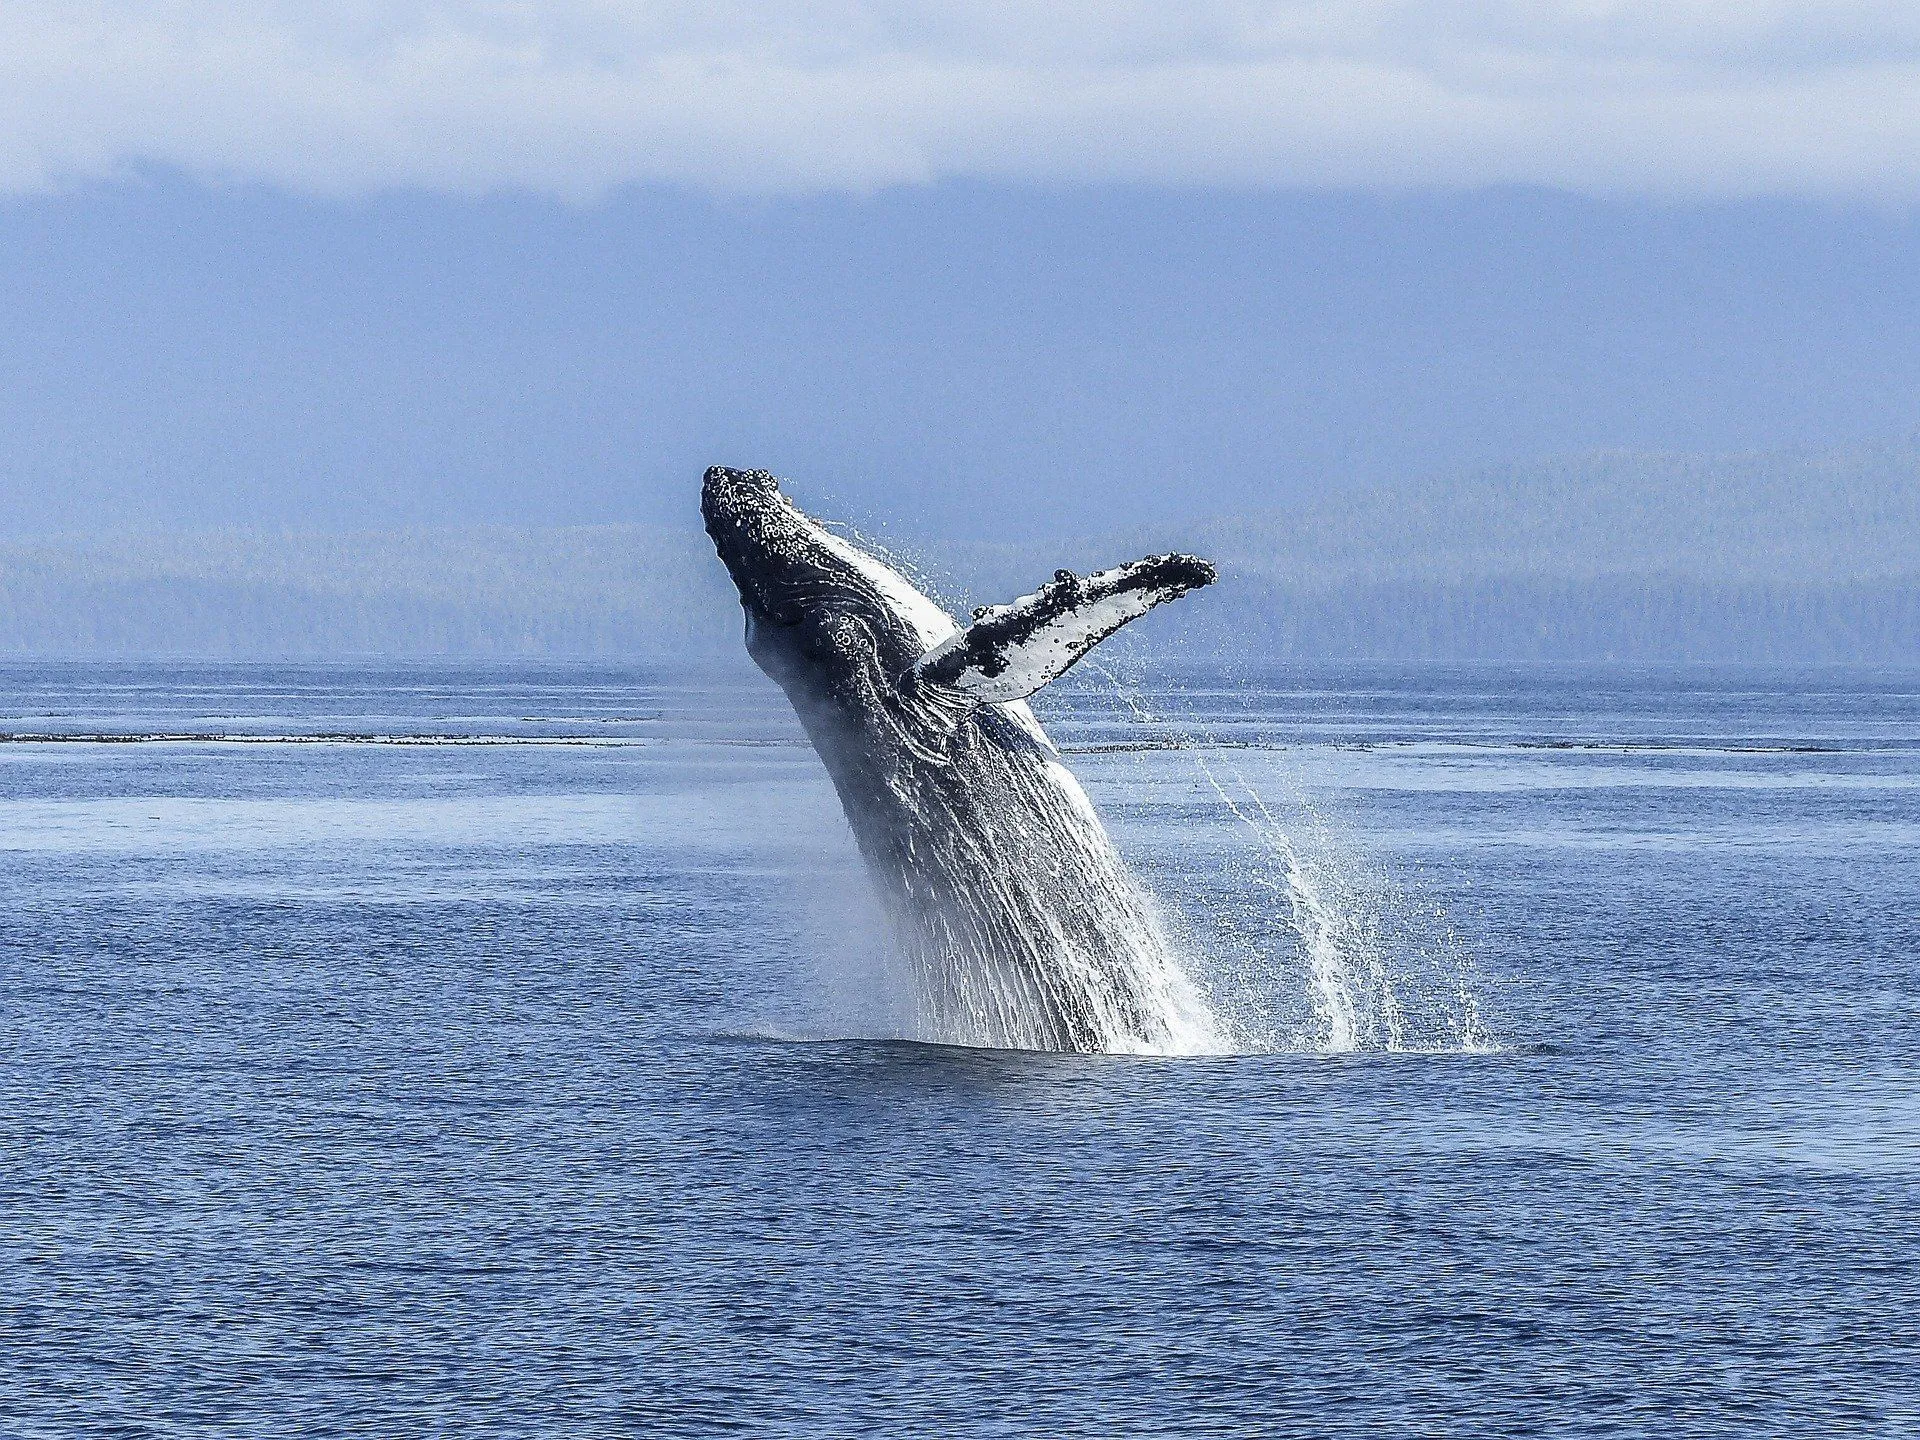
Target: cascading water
{"type": "Point", "coordinates": [1353, 962]}
{"type": "Point", "coordinates": [1018, 923]}
{"type": "Point", "coordinates": [1024, 930]}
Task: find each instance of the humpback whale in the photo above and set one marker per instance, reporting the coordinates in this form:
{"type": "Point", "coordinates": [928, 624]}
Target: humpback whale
{"type": "Point", "coordinates": [1020, 921]}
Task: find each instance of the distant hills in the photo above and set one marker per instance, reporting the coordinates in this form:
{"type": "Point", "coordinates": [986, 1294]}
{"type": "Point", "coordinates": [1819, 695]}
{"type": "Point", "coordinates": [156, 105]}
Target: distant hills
{"type": "Point", "coordinates": [1784, 556]}
{"type": "Point", "coordinates": [1772, 556]}
{"type": "Point", "coordinates": [1787, 556]}
{"type": "Point", "coordinates": [599, 590]}
{"type": "Point", "coordinates": [1813, 517]}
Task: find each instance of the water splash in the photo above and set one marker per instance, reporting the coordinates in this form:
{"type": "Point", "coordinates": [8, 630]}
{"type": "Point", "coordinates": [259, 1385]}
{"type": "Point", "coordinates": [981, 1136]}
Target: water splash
{"type": "Point", "coordinates": [1308, 945]}
{"type": "Point", "coordinates": [1024, 929]}
{"type": "Point", "coordinates": [1017, 923]}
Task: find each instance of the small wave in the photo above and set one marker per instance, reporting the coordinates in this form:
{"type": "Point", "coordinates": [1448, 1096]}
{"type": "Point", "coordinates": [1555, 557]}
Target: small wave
{"type": "Point", "coordinates": [1629, 747]}
{"type": "Point", "coordinates": [1488, 747]}
{"type": "Point", "coordinates": [772, 1034]}
{"type": "Point", "coordinates": [1176, 742]}
{"type": "Point", "coordinates": [214, 737]}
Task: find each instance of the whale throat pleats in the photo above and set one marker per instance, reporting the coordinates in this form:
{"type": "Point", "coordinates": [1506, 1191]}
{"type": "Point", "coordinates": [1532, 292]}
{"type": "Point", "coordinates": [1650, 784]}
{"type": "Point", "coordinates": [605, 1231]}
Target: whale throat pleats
{"type": "Point", "coordinates": [1010, 651]}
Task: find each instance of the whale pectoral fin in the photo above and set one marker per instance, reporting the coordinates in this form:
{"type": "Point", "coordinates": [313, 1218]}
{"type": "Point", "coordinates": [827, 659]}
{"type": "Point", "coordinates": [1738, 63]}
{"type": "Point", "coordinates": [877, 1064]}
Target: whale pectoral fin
{"type": "Point", "coordinates": [1010, 651]}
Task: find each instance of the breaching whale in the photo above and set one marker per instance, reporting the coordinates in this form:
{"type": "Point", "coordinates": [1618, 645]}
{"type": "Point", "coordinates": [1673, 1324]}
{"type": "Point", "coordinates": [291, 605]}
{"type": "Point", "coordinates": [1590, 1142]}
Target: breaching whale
{"type": "Point", "coordinates": [1022, 924]}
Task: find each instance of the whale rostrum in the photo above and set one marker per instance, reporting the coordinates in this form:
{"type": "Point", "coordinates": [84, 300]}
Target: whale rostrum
{"type": "Point", "coordinates": [1021, 924]}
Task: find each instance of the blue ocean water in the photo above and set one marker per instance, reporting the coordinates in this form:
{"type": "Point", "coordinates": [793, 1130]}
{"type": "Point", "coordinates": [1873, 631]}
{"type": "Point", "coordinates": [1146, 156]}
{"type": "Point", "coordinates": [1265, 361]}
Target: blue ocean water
{"type": "Point", "coordinates": [393, 1050]}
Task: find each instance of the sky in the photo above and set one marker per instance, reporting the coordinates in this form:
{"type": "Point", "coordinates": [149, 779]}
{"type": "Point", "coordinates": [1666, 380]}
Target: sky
{"type": "Point", "coordinates": [575, 97]}
{"type": "Point", "coordinates": [970, 265]}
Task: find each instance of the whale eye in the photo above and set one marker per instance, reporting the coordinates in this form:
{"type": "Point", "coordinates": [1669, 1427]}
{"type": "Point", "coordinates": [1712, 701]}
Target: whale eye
{"type": "Point", "coordinates": [979, 612]}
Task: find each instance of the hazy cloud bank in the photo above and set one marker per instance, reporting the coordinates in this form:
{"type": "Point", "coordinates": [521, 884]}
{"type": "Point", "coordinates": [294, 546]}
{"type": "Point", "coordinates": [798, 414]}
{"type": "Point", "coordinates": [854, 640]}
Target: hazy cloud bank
{"type": "Point", "coordinates": [572, 97]}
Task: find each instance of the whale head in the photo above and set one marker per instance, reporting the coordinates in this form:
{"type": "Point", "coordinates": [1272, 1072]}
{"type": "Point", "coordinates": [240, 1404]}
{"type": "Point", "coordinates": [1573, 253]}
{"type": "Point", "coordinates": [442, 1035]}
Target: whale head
{"type": "Point", "coordinates": [830, 621]}
{"type": "Point", "coordinates": [818, 608]}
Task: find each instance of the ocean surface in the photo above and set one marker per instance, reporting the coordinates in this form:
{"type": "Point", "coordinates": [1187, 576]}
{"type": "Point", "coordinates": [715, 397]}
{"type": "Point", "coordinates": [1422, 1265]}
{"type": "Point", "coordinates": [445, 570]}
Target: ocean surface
{"type": "Point", "coordinates": [399, 1050]}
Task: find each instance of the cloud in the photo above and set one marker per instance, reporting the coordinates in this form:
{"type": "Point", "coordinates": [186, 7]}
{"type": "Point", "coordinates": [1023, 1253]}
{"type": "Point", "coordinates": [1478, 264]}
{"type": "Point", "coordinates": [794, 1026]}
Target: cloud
{"type": "Point", "coordinates": [575, 97]}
